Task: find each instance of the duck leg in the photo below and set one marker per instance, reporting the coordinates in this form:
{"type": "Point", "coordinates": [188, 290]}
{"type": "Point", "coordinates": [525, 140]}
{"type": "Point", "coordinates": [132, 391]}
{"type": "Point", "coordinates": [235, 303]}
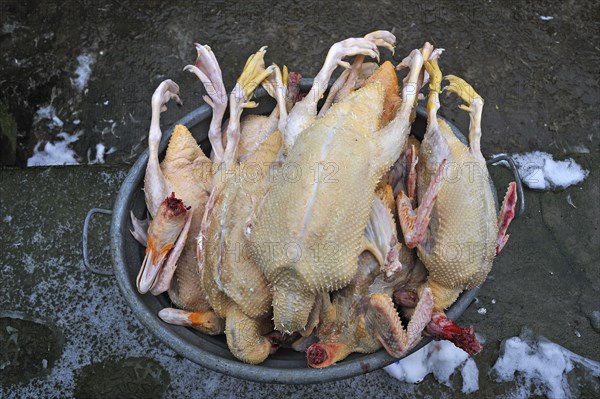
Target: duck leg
{"type": "Point", "coordinates": [252, 76]}
{"type": "Point", "coordinates": [276, 86]}
{"type": "Point", "coordinates": [255, 129]}
{"type": "Point", "coordinates": [305, 111]}
{"type": "Point", "coordinates": [208, 71]}
{"type": "Point", "coordinates": [414, 224]}
{"type": "Point", "coordinates": [474, 106]}
{"type": "Point", "coordinates": [358, 72]}
{"type": "Point", "coordinates": [171, 218]}
{"type": "Point", "coordinates": [155, 184]}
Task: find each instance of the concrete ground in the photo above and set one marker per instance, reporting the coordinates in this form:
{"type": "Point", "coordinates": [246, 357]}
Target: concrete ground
{"type": "Point", "coordinates": [65, 332]}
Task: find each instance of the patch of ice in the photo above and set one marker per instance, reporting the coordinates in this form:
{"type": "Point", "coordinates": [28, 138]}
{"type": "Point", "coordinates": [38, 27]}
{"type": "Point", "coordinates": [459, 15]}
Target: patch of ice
{"type": "Point", "coordinates": [442, 359]}
{"type": "Point", "coordinates": [538, 363]}
{"type": "Point", "coordinates": [482, 310]}
{"type": "Point", "coordinates": [539, 171]}
{"type": "Point", "coordinates": [546, 17]}
{"type": "Point", "coordinates": [83, 71]}
{"type": "Point", "coordinates": [570, 201]}
{"type": "Point", "coordinates": [76, 122]}
{"type": "Point", "coordinates": [58, 153]}
{"type": "Point", "coordinates": [7, 218]}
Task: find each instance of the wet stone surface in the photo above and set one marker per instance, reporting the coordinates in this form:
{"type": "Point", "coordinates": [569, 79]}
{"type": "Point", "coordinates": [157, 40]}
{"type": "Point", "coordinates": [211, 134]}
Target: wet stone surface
{"type": "Point", "coordinates": [129, 378]}
{"type": "Point", "coordinates": [540, 84]}
{"type": "Point", "coordinates": [29, 348]}
{"type": "Point", "coordinates": [531, 284]}
{"type": "Point", "coordinates": [538, 78]}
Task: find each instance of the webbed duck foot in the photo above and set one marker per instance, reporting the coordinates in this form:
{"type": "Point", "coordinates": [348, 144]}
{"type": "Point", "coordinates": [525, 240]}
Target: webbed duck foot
{"type": "Point", "coordinates": [276, 86]}
{"type": "Point", "coordinates": [474, 106]}
{"type": "Point", "coordinates": [358, 71]}
{"type": "Point", "coordinates": [507, 214]}
{"type": "Point", "coordinates": [305, 111]}
{"type": "Point", "coordinates": [207, 69]}
{"type": "Point", "coordinates": [252, 76]}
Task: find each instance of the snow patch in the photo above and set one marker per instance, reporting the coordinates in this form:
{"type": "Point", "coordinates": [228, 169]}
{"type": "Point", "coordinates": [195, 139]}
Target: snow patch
{"type": "Point", "coordinates": [470, 377]}
{"type": "Point", "coordinates": [539, 171]}
{"type": "Point", "coordinates": [546, 17]}
{"type": "Point", "coordinates": [58, 153]}
{"type": "Point", "coordinates": [539, 363]}
{"type": "Point", "coordinates": [10, 27]}
{"type": "Point", "coordinates": [48, 113]}
{"type": "Point", "coordinates": [440, 358]}
{"type": "Point", "coordinates": [83, 71]}
{"type": "Point", "coordinates": [101, 152]}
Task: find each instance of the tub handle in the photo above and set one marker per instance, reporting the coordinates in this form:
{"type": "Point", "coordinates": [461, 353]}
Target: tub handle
{"type": "Point", "coordinates": [86, 224]}
{"type": "Point", "coordinates": [509, 164]}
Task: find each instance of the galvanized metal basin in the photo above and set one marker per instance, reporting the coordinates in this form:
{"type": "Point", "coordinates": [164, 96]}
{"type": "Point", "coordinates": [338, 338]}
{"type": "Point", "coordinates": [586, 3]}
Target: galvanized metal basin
{"type": "Point", "coordinates": [286, 366]}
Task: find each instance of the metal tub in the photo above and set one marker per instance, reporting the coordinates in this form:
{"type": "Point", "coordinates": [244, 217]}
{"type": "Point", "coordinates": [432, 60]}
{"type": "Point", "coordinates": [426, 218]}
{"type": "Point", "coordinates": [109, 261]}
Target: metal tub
{"type": "Point", "coordinates": [286, 366]}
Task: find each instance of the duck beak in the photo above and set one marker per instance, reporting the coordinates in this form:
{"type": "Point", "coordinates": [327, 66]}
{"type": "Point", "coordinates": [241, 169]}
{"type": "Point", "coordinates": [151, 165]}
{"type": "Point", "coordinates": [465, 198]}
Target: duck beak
{"type": "Point", "coordinates": [151, 265]}
{"type": "Point", "coordinates": [166, 236]}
